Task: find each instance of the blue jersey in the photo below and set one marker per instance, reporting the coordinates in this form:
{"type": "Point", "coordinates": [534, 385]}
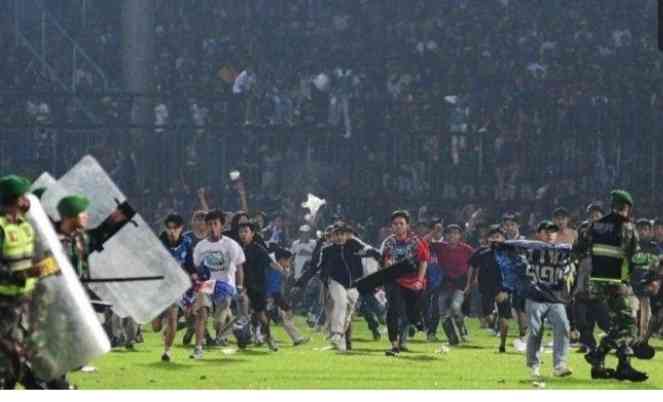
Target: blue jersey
{"type": "Point", "coordinates": [182, 252]}
{"type": "Point", "coordinates": [434, 273]}
{"type": "Point", "coordinates": [273, 282]}
{"type": "Point", "coordinates": [512, 271]}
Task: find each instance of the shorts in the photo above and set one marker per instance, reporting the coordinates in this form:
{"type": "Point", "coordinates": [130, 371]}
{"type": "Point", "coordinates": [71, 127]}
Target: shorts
{"type": "Point", "coordinates": [257, 299]}
{"type": "Point", "coordinates": [222, 292]}
{"type": "Point", "coordinates": [518, 302]}
{"type": "Point", "coordinates": [488, 306]}
{"type": "Point", "coordinates": [164, 314]}
{"type": "Point", "coordinates": [187, 300]}
{"type": "Point", "coordinates": [504, 309]}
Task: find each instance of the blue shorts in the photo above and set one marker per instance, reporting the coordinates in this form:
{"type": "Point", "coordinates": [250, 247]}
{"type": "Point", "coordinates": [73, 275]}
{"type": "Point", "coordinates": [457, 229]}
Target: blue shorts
{"type": "Point", "coordinates": [223, 291]}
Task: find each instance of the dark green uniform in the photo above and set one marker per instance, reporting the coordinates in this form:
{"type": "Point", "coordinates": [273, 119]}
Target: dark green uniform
{"type": "Point", "coordinates": [645, 265]}
{"type": "Point", "coordinates": [78, 245]}
{"type": "Point", "coordinates": [77, 248]}
{"type": "Point", "coordinates": [611, 243]}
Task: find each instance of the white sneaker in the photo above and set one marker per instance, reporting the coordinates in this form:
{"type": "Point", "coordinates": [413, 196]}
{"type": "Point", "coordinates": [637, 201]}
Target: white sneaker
{"type": "Point", "coordinates": [338, 342]}
{"type": "Point", "coordinates": [519, 345]}
{"type": "Point", "coordinates": [562, 371]}
{"type": "Point", "coordinates": [197, 354]}
{"type": "Point", "coordinates": [88, 369]}
{"type": "Point", "coordinates": [442, 350]}
{"type": "Point", "coordinates": [535, 373]}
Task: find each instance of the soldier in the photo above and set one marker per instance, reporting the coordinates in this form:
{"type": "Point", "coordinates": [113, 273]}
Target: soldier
{"type": "Point", "coordinates": [78, 242]}
{"type": "Point", "coordinates": [18, 278]}
{"type": "Point", "coordinates": [645, 266]}
{"type": "Point", "coordinates": [612, 242]}
{"type": "Point", "coordinates": [589, 311]}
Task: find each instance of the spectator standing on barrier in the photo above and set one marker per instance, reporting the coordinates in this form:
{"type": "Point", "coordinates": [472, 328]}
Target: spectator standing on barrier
{"type": "Point", "coordinates": [243, 88]}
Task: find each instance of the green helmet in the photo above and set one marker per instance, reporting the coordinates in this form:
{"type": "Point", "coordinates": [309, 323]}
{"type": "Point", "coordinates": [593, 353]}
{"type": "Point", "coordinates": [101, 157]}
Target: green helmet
{"type": "Point", "coordinates": [621, 197]}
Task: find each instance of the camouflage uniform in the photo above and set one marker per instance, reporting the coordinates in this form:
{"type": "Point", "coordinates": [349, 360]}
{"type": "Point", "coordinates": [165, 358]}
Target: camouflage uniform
{"type": "Point", "coordinates": [623, 329]}
{"type": "Point", "coordinates": [13, 337]}
{"type": "Point", "coordinates": [16, 286]}
{"type": "Point", "coordinates": [78, 246]}
{"type": "Point", "coordinates": [611, 243]}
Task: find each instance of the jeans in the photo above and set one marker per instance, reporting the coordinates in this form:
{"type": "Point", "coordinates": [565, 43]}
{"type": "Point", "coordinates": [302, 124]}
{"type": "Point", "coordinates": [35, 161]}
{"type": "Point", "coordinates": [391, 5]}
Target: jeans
{"type": "Point", "coordinates": [556, 315]}
{"type": "Point", "coordinates": [431, 309]}
{"type": "Point", "coordinates": [451, 303]}
{"type": "Point", "coordinates": [371, 310]}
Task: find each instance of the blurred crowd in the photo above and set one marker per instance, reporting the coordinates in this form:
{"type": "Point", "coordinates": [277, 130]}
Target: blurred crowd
{"type": "Point", "coordinates": [442, 106]}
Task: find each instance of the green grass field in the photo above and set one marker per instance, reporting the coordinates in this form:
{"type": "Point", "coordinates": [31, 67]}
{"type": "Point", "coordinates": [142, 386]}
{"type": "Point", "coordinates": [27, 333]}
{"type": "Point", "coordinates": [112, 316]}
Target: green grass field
{"type": "Point", "coordinates": [475, 365]}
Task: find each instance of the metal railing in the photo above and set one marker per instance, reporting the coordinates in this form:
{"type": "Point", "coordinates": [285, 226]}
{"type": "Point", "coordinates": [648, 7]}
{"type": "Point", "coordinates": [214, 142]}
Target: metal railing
{"type": "Point", "coordinates": [394, 160]}
{"type": "Point", "coordinates": [50, 42]}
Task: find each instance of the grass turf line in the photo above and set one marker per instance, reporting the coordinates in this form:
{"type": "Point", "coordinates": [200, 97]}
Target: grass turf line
{"type": "Point", "coordinates": [475, 365]}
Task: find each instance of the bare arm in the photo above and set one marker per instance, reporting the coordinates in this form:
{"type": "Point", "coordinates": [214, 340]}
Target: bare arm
{"type": "Point", "coordinates": [277, 267]}
{"type": "Point", "coordinates": [239, 276]}
{"type": "Point", "coordinates": [421, 272]}
{"type": "Point", "coordinates": [470, 278]}
{"type": "Point", "coordinates": [243, 204]}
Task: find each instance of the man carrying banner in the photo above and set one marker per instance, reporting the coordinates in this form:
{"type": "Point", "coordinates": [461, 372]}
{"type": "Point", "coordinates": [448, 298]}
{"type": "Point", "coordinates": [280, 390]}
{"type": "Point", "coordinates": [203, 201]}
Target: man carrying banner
{"type": "Point", "coordinates": [549, 277]}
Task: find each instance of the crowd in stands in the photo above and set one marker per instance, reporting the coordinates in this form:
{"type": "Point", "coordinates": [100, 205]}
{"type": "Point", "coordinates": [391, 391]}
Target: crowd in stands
{"type": "Point", "coordinates": [500, 104]}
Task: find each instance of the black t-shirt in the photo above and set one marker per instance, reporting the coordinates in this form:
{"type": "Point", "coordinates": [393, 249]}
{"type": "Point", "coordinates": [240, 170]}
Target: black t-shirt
{"type": "Point", "coordinates": [489, 273]}
{"type": "Point", "coordinates": [256, 266]}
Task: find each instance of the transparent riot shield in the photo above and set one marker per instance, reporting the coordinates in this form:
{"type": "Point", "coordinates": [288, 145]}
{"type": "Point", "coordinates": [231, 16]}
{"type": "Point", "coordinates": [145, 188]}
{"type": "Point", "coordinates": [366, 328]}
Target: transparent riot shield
{"type": "Point", "coordinates": [64, 330]}
{"type": "Point", "coordinates": [134, 251]}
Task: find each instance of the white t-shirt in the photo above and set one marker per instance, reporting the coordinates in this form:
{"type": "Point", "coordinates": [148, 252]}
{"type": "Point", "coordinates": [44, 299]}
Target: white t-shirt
{"type": "Point", "coordinates": [220, 257]}
{"type": "Point", "coordinates": [244, 82]}
{"type": "Point", "coordinates": [303, 252]}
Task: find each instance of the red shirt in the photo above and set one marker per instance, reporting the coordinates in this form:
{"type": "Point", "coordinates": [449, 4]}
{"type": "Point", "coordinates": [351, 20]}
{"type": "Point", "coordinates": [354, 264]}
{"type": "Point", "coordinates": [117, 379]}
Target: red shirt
{"type": "Point", "coordinates": [454, 261]}
{"type": "Point", "coordinates": [411, 248]}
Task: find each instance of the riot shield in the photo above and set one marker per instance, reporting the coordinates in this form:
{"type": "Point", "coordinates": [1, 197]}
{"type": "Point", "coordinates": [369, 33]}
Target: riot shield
{"type": "Point", "coordinates": [65, 331]}
{"type": "Point", "coordinates": [46, 181]}
{"type": "Point", "coordinates": [134, 251]}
